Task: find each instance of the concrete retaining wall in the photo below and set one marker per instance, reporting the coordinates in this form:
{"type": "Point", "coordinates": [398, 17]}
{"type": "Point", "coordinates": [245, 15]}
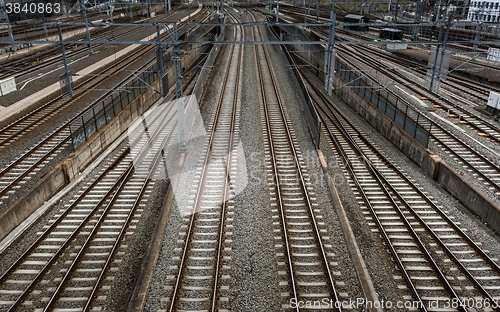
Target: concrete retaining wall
{"type": "Point", "coordinates": [50, 184]}
{"type": "Point", "coordinates": [99, 141]}
{"type": "Point", "coordinates": [76, 162]}
{"type": "Point", "coordinates": [389, 129]}
{"type": "Point", "coordinates": [469, 195]}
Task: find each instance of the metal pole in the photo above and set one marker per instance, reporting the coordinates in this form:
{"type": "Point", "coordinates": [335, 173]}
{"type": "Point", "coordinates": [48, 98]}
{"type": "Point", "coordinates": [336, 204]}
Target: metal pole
{"type": "Point", "coordinates": [438, 11]}
{"type": "Point", "coordinates": [176, 56]}
{"type": "Point", "coordinates": [84, 12]}
{"type": "Point", "coordinates": [418, 18]}
{"type": "Point", "coordinates": [444, 46]}
{"type": "Point", "coordinates": [437, 55]}
{"type": "Point", "coordinates": [45, 27]}
{"type": "Point", "coordinates": [11, 36]}
{"type": "Point", "coordinates": [110, 10]}
{"type": "Point", "coordinates": [317, 10]}
{"type": "Point", "coordinates": [330, 62]}
{"type": "Point", "coordinates": [178, 92]}
{"type": "Point", "coordinates": [131, 13]}
{"type": "Point", "coordinates": [66, 70]}
{"type": "Point", "coordinates": [277, 12]}
{"type": "Point", "coordinates": [477, 37]}
{"type": "Point", "coordinates": [397, 11]}
{"type": "Point", "coordinates": [164, 87]}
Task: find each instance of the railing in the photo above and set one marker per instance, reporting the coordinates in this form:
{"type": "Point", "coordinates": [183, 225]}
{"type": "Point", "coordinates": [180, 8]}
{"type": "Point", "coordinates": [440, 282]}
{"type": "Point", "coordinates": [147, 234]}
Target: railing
{"type": "Point", "coordinates": [414, 123]}
{"type": "Point", "coordinates": [100, 113]}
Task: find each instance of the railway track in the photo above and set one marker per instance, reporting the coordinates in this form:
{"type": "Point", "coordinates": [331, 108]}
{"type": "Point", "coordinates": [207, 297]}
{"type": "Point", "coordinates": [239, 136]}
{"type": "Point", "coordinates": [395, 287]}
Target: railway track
{"type": "Point", "coordinates": [37, 158]}
{"type": "Point", "coordinates": [304, 250]}
{"type": "Point", "coordinates": [51, 56]}
{"type": "Point", "coordinates": [480, 166]}
{"type": "Point", "coordinates": [199, 280]}
{"type": "Point", "coordinates": [438, 262]}
{"type": "Point", "coordinates": [458, 105]}
{"type": "Point", "coordinates": [453, 81]}
{"type": "Point", "coordinates": [454, 105]}
{"type": "Point", "coordinates": [477, 123]}
{"type": "Point", "coordinates": [17, 174]}
{"type": "Point", "coordinates": [75, 258]}
{"type": "Point", "coordinates": [39, 61]}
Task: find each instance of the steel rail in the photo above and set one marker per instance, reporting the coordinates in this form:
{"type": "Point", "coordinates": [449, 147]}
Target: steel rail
{"type": "Point", "coordinates": [302, 182]}
{"type": "Point", "coordinates": [54, 50]}
{"type": "Point", "coordinates": [418, 89]}
{"type": "Point", "coordinates": [383, 181]}
{"type": "Point", "coordinates": [144, 150]}
{"type": "Point", "coordinates": [81, 85]}
{"type": "Point", "coordinates": [495, 185]}
{"type": "Point", "coordinates": [64, 245]}
{"type": "Point", "coordinates": [386, 238]}
{"type": "Point", "coordinates": [26, 172]}
{"type": "Point", "coordinates": [225, 192]}
{"type": "Point", "coordinates": [474, 152]}
{"type": "Point", "coordinates": [53, 135]}
{"type": "Point", "coordinates": [61, 218]}
{"type": "Point", "coordinates": [198, 195]}
{"type": "Point", "coordinates": [407, 180]}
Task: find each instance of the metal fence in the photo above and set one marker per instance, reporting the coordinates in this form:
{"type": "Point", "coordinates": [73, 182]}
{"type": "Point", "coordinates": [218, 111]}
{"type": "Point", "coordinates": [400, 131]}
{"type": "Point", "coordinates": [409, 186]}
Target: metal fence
{"type": "Point", "coordinates": [101, 112]}
{"type": "Point", "coordinates": [414, 123]}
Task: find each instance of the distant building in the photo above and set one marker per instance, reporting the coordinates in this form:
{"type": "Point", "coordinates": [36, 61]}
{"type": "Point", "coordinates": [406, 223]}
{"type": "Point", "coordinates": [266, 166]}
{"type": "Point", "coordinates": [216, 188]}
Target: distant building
{"type": "Point", "coordinates": [484, 11]}
{"type": "Point", "coordinates": [459, 8]}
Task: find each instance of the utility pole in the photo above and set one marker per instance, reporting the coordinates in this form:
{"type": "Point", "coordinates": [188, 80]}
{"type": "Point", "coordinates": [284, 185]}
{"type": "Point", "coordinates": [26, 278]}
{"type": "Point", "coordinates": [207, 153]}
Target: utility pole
{"type": "Point", "coordinates": [317, 10]}
{"type": "Point", "coordinates": [443, 48]}
{"type": "Point", "coordinates": [9, 29]}
{"type": "Point", "coordinates": [330, 61]}
{"type": "Point", "coordinates": [44, 22]}
{"type": "Point", "coordinates": [417, 20]}
{"type": "Point", "coordinates": [131, 13]}
{"type": "Point", "coordinates": [84, 12]}
{"type": "Point", "coordinates": [181, 122]}
{"type": "Point", "coordinates": [161, 71]}
{"type": "Point", "coordinates": [277, 11]}
{"type": "Point", "coordinates": [110, 5]}
{"type": "Point", "coordinates": [67, 75]}
{"type": "Point", "coordinates": [438, 14]}
{"type": "Point", "coordinates": [477, 37]}
{"type": "Point", "coordinates": [439, 57]}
